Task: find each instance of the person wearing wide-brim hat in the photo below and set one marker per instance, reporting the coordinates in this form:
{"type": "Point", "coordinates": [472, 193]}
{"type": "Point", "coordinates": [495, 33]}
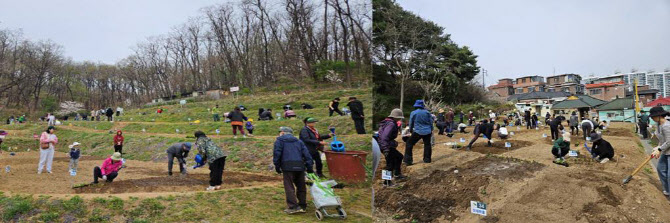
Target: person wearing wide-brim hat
{"type": "Point", "coordinates": [109, 169]}
{"type": "Point", "coordinates": [441, 121]}
{"type": "Point", "coordinates": [662, 151]}
{"type": "Point", "coordinates": [388, 132]}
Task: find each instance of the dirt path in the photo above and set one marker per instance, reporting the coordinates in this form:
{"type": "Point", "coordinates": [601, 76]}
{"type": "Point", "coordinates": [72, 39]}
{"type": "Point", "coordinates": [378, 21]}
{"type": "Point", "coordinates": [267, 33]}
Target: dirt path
{"type": "Point", "coordinates": [515, 192]}
{"type": "Point", "coordinates": [138, 179]}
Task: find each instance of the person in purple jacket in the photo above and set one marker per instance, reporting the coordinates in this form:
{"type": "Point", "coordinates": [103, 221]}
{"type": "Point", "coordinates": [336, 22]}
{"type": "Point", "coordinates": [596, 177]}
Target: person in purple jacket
{"type": "Point", "coordinates": [388, 131]}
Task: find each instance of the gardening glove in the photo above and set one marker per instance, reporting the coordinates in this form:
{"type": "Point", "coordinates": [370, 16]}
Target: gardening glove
{"type": "Point", "coordinates": [104, 177]}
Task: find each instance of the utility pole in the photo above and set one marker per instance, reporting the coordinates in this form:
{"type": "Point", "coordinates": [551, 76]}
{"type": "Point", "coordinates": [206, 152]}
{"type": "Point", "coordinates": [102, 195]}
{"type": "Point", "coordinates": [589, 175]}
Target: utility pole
{"type": "Point", "coordinates": [484, 73]}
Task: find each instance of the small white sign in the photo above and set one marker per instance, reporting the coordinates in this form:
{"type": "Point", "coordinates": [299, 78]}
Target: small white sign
{"type": "Point", "coordinates": [462, 140]}
{"type": "Point", "coordinates": [182, 102]}
{"type": "Point", "coordinates": [218, 131]}
{"type": "Point", "coordinates": [573, 153]}
{"type": "Point", "coordinates": [177, 130]}
{"type": "Point", "coordinates": [517, 128]}
{"type": "Point", "coordinates": [234, 89]}
{"type": "Point", "coordinates": [511, 133]}
{"type": "Point", "coordinates": [386, 175]}
{"type": "Point", "coordinates": [588, 138]}
{"type": "Point", "coordinates": [508, 145]}
{"type": "Point", "coordinates": [144, 130]}
{"type": "Point", "coordinates": [73, 173]}
{"type": "Point", "coordinates": [544, 135]}
{"type": "Point", "coordinates": [477, 207]}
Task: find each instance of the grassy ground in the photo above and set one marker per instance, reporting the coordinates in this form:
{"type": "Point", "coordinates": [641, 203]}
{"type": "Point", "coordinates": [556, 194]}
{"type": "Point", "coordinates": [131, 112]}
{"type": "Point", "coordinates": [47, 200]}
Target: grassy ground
{"type": "Point", "coordinates": [253, 154]}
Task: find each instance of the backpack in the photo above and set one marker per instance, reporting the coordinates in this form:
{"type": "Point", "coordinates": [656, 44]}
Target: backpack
{"type": "Point", "coordinates": [248, 125]}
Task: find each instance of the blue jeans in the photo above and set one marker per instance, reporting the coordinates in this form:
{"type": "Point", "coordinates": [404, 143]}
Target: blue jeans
{"type": "Point", "coordinates": [664, 171]}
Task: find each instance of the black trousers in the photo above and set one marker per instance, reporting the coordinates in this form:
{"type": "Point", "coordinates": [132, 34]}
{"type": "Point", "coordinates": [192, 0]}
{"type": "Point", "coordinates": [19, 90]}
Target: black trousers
{"type": "Point", "coordinates": [440, 127]}
{"type": "Point", "coordinates": [216, 171]}
{"type": "Point", "coordinates": [97, 173]}
{"type": "Point", "coordinates": [427, 147]}
{"type": "Point", "coordinates": [558, 153]}
{"type": "Point", "coordinates": [554, 132]}
{"type": "Point", "coordinates": [394, 161]}
{"type": "Point", "coordinates": [335, 110]}
{"type": "Point", "coordinates": [477, 137]}
{"type": "Point", "coordinates": [118, 148]}
{"type": "Point", "coordinates": [360, 125]}
{"type": "Point", "coordinates": [528, 124]}
{"type": "Point", "coordinates": [295, 189]}
{"type": "Point", "coordinates": [180, 159]}
{"type": "Point", "coordinates": [586, 129]}
{"type": "Point", "coordinates": [574, 130]}
{"type": "Point", "coordinates": [316, 156]}
{"type": "Point", "coordinates": [109, 118]}
{"type": "Point", "coordinates": [643, 129]}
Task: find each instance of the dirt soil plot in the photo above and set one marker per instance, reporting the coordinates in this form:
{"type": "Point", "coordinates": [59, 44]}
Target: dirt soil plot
{"type": "Point", "coordinates": [417, 198]}
{"type": "Point", "coordinates": [498, 146]}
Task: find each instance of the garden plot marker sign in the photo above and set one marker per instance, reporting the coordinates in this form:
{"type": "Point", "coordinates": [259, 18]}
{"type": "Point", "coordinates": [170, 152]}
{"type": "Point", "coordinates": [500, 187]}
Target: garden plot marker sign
{"type": "Point", "coordinates": [386, 175]}
{"type": "Point", "coordinates": [477, 207]}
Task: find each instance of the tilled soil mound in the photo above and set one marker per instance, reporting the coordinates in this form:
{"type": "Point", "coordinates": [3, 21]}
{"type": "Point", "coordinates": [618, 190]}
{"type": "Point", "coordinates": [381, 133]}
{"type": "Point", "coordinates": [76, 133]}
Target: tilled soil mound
{"type": "Point", "coordinates": [435, 196]}
{"type": "Point", "coordinates": [498, 146]}
{"type": "Point", "coordinates": [175, 183]}
{"type": "Point", "coordinates": [618, 132]}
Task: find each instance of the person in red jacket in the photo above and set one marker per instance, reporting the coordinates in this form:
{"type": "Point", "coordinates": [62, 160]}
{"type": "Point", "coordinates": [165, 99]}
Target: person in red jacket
{"type": "Point", "coordinates": [118, 142]}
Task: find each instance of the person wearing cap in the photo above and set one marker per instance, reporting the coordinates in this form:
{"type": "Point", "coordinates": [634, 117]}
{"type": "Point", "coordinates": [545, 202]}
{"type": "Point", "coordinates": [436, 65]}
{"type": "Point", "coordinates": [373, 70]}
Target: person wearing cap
{"type": "Point", "coordinates": [333, 107]}
{"type": "Point", "coordinates": [314, 142]}
{"type": "Point", "coordinates": [357, 114]}
{"type": "Point", "coordinates": [420, 127]}
{"type": "Point", "coordinates": [48, 141]}
{"type": "Point", "coordinates": [118, 142]}
{"type": "Point", "coordinates": [109, 169]}
{"type": "Point", "coordinates": [292, 158]}
{"type": "Point", "coordinates": [388, 132]}
{"type": "Point", "coordinates": [441, 122]}
{"type": "Point", "coordinates": [180, 151]}
{"type": "Point", "coordinates": [662, 151]}
{"type": "Point", "coordinates": [602, 151]}
{"type": "Point", "coordinates": [215, 157]}
{"type": "Point", "coordinates": [74, 154]}
{"type": "Point", "coordinates": [561, 148]}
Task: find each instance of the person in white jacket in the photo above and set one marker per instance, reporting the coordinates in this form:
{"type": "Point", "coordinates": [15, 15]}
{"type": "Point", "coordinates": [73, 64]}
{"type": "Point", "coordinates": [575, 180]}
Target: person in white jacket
{"type": "Point", "coordinates": [662, 151]}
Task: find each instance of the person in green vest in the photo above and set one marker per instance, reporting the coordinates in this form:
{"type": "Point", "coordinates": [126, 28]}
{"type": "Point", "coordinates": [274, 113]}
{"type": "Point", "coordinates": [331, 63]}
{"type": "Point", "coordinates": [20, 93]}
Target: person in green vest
{"type": "Point", "coordinates": [215, 113]}
{"type": "Point", "coordinates": [644, 123]}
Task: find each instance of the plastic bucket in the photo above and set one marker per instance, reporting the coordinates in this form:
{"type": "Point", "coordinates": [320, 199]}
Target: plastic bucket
{"type": "Point", "coordinates": [347, 166]}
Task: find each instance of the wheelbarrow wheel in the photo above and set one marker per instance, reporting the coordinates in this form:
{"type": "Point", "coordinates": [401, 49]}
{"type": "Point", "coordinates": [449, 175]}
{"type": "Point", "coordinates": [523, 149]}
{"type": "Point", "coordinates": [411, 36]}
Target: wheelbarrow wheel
{"type": "Point", "coordinates": [341, 212]}
{"type": "Point", "coordinates": [318, 214]}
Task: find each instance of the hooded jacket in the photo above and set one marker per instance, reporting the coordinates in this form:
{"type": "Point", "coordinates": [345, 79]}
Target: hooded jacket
{"type": "Point", "coordinates": [291, 154]}
{"type": "Point", "coordinates": [388, 132]}
{"type": "Point", "coordinates": [118, 138]}
{"type": "Point", "coordinates": [310, 140]}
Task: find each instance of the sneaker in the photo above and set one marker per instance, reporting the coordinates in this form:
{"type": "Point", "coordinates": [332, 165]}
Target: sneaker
{"type": "Point", "coordinates": [666, 193]}
{"type": "Point", "coordinates": [604, 160]}
{"type": "Point", "coordinates": [211, 188]}
{"type": "Point", "coordinates": [169, 173]}
{"type": "Point", "coordinates": [217, 188]}
{"type": "Point", "coordinates": [250, 135]}
{"type": "Point", "coordinates": [39, 172]}
{"type": "Point", "coordinates": [49, 172]}
{"type": "Point", "coordinates": [234, 137]}
{"type": "Point", "coordinates": [244, 136]}
{"type": "Point", "coordinates": [291, 210]}
{"type": "Point", "coordinates": [302, 210]}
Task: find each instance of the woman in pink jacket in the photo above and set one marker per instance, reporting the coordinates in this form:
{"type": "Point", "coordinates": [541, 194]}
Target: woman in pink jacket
{"type": "Point", "coordinates": [109, 170]}
{"type": "Point", "coordinates": [48, 142]}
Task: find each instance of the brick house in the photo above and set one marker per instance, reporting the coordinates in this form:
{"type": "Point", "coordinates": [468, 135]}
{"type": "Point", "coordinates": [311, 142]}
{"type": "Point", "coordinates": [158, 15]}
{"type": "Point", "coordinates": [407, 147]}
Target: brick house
{"type": "Point", "coordinates": [528, 84]}
{"type": "Point", "coordinates": [645, 93]}
{"type": "Point", "coordinates": [606, 91]}
{"type": "Point", "coordinates": [565, 83]}
{"type": "Point", "coordinates": [504, 88]}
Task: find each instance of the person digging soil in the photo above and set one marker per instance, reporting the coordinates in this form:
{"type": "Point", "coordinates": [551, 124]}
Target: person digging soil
{"type": "Point", "coordinates": [179, 151]}
{"type": "Point", "coordinates": [109, 169]}
{"type": "Point", "coordinates": [561, 148]}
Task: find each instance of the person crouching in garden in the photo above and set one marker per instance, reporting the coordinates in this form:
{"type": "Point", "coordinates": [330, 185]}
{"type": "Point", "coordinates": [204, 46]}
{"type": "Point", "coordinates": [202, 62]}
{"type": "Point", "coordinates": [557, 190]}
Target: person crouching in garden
{"type": "Point", "coordinates": [215, 157]}
{"type": "Point", "coordinates": [292, 158]}
{"type": "Point", "coordinates": [109, 169]}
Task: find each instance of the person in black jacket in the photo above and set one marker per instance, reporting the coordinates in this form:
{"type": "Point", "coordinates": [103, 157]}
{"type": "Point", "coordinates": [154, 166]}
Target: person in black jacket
{"type": "Point", "coordinates": [306, 106]}
{"type": "Point", "coordinates": [333, 107]}
{"type": "Point", "coordinates": [357, 115]}
{"type": "Point", "coordinates": [291, 158]}
{"type": "Point", "coordinates": [554, 126]}
{"type": "Point", "coordinates": [526, 117]}
{"type": "Point", "coordinates": [314, 142]}
{"type": "Point", "coordinates": [601, 150]}
{"type": "Point", "coordinates": [109, 114]}
{"type": "Point", "coordinates": [441, 122]}
{"type": "Point", "coordinates": [484, 128]}
{"type": "Point", "coordinates": [237, 119]}
{"type": "Point", "coordinates": [266, 115]}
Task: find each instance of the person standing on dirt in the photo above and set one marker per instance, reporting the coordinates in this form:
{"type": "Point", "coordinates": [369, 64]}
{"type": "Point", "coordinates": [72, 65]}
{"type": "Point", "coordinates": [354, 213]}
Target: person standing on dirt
{"type": "Point", "coordinates": [492, 115]}
{"type": "Point", "coordinates": [333, 107]}
{"type": "Point", "coordinates": [237, 119]}
{"type": "Point", "coordinates": [48, 141]}
{"type": "Point", "coordinates": [644, 123]}
{"type": "Point", "coordinates": [420, 127]}
{"type": "Point", "coordinates": [441, 123]}
{"type": "Point", "coordinates": [526, 117]}
{"type": "Point", "coordinates": [553, 126]}
{"type": "Point", "coordinates": [662, 151]}
{"type": "Point", "coordinates": [534, 120]}
{"type": "Point", "coordinates": [602, 150]}
{"type": "Point", "coordinates": [215, 157]}
{"type": "Point", "coordinates": [118, 142]}
{"type": "Point", "coordinates": [74, 155]}
{"type": "Point", "coordinates": [471, 118]}
{"type": "Point", "coordinates": [574, 124]}
{"type": "Point", "coordinates": [292, 158]}
{"type": "Point", "coordinates": [109, 169]}
{"type": "Point", "coordinates": [357, 114]}
{"type": "Point", "coordinates": [215, 113]}
{"type": "Point", "coordinates": [587, 127]}
{"type": "Point", "coordinates": [110, 114]}
{"type": "Point", "coordinates": [314, 142]}
{"type": "Point", "coordinates": [460, 115]}
{"type": "Point", "coordinates": [561, 148]}
{"type": "Point", "coordinates": [388, 132]}
{"type": "Point", "coordinates": [547, 118]}
{"type": "Point", "coordinates": [180, 151]}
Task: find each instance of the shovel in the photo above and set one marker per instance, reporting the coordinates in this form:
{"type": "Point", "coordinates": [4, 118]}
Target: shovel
{"type": "Point", "coordinates": [630, 177]}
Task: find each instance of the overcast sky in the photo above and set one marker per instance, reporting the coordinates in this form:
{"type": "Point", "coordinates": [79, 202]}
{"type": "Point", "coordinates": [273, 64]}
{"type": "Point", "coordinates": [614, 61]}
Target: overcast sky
{"type": "Point", "coordinates": [515, 38]}
{"type": "Point", "coordinates": [96, 30]}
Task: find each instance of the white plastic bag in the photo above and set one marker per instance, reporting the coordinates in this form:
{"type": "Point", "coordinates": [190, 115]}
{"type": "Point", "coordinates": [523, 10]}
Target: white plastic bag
{"type": "Point", "coordinates": [324, 198]}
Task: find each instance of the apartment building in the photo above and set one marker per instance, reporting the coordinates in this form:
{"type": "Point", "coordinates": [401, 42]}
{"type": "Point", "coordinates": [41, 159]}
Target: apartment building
{"type": "Point", "coordinates": [661, 82]}
{"type": "Point", "coordinates": [529, 84]}
{"type": "Point", "coordinates": [606, 91]}
{"type": "Point", "coordinates": [570, 83]}
{"type": "Point", "coordinates": [504, 87]}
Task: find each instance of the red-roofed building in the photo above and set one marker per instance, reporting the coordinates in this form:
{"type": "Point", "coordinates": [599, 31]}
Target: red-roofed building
{"type": "Point", "coordinates": [504, 88]}
{"type": "Point", "coordinates": [606, 91]}
{"type": "Point", "coordinates": [659, 102]}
